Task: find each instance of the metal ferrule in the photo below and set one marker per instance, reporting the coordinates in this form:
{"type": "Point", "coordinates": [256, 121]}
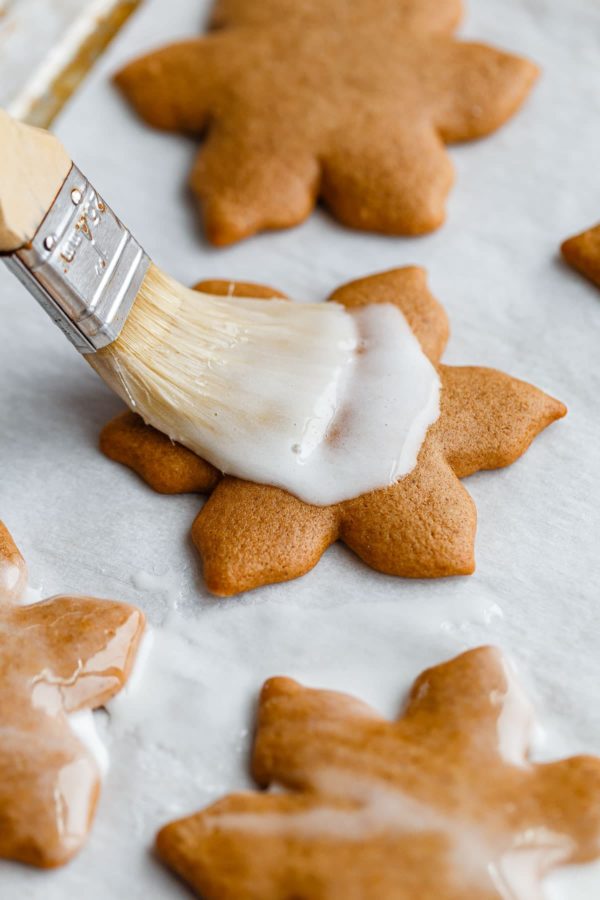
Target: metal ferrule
{"type": "Point", "coordinates": [83, 266]}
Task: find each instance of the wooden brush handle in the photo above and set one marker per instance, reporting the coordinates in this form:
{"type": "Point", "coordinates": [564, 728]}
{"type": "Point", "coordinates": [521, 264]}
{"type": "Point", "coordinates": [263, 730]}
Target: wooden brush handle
{"type": "Point", "coordinates": [33, 168]}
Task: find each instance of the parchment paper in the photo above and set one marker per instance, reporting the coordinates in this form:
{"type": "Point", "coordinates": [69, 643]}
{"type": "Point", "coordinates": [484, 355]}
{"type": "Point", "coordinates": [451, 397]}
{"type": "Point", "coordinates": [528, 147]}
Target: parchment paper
{"type": "Point", "coordinates": [87, 525]}
{"type": "Point", "coordinates": [38, 41]}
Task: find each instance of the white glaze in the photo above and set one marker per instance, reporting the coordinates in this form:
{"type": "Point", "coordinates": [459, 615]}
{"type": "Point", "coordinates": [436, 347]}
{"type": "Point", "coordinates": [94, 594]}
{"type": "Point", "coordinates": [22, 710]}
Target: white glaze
{"type": "Point", "coordinates": [10, 576]}
{"type": "Point", "coordinates": [579, 882]}
{"type": "Point", "coordinates": [325, 403]}
{"type": "Point", "coordinates": [83, 722]}
{"type": "Point", "coordinates": [145, 698]}
{"type": "Point", "coordinates": [168, 584]}
{"type": "Point", "coordinates": [518, 873]}
{"type": "Point", "coordinates": [476, 857]}
{"type": "Point", "coordinates": [83, 725]}
{"type": "Point", "coordinates": [516, 720]}
{"type": "Point", "coordinates": [71, 804]}
{"type": "Point", "coordinates": [129, 696]}
{"type": "Point", "coordinates": [379, 808]}
{"type": "Point", "coordinates": [31, 594]}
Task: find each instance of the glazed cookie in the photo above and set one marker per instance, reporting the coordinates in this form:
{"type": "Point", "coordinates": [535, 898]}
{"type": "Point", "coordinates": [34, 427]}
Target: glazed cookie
{"type": "Point", "coordinates": [57, 658]}
{"type": "Point", "coordinates": [423, 526]}
{"type": "Point", "coordinates": [582, 252]}
{"type": "Point", "coordinates": [442, 803]}
{"type": "Point", "coordinates": [351, 101]}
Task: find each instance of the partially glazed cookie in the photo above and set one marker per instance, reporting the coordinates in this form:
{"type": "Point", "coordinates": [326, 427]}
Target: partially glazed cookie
{"type": "Point", "coordinates": [351, 101]}
{"type": "Point", "coordinates": [57, 657]}
{"type": "Point", "coordinates": [582, 252]}
{"type": "Point", "coordinates": [442, 803]}
{"type": "Point", "coordinates": [423, 526]}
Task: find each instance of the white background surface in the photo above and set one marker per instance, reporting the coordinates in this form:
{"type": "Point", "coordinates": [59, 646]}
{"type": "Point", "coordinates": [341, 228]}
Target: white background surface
{"type": "Point", "coordinates": [37, 40]}
{"type": "Point", "coordinates": [87, 525]}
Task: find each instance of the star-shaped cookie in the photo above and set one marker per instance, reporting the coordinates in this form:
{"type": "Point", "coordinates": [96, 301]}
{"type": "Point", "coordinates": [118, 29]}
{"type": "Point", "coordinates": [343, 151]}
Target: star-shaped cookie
{"type": "Point", "coordinates": [423, 526]}
{"type": "Point", "coordinates": [582, 252]}
{"type": "Point", "coordinates": [350, 101]}
{"type": "Point", "coordinates": [442, 803]}
{"type": "Point", "coordinates": [56, 657]}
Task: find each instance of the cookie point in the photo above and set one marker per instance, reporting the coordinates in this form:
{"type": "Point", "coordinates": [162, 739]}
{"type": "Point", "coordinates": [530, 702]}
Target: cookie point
{"type": "Point", "coordinates": [163, 839]}
{"type": "Point", "coordinates": [118, 77]}
{"type": "Point", "coordinates": [562, 410]}
{"type": "Point", "coordinates": [217, 584]}
{"type": "Point", "coordinates": [529, 70]}
{"type": "Point", "coordinates": [484, 652]}
{"type": "Point", "coordinates": [429, 221]}
{"type": "Point", "coordinates": [469, 566]}
{"type": "Point", "coordinates": [223, 228]}
{"type": "Point", "coordinates": [464, 564]}
{"type": "Point", "coordinates": [277, 686]}
{"type": "Point", "coordinates": [124, 79]}
{"type": "Point", "coordinates": [556, 409]}
{"type": "Point", "coordinates": [220, 237]}
{"type": "Point", "coordinates": [568, 246]}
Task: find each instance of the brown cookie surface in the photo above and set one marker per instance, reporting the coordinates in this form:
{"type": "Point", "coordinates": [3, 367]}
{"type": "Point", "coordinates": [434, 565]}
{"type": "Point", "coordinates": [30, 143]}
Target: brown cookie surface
{"type": "Point", "coordinates": [423, 526]}
{"type": "Point", "coordinates": [582, 252]}
{"type": "Point", "coordinates": [444, 802]}
{"type": "Point", "coordinates": [56, 657]}
{"type": "Point", "coordinates": [351, 101]}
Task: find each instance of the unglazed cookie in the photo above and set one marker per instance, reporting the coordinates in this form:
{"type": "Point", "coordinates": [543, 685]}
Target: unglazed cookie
{"type": "Point", "coordinates": [351, 101]}
{"type": "Point", "coordinates": [423, 526]}
{"type": "Point", "coordinates": [56, 658]}
{"type": "Point", "coordinates": [443, 803]}
{"type": "Point", "coordinates": [582, 252]}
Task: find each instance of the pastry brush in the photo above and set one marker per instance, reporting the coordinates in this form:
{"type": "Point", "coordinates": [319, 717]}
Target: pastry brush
{"type": "Point", "coordinates": [260, 388]}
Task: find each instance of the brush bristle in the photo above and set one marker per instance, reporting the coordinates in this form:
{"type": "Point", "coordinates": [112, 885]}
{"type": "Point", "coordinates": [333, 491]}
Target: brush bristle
{"type": "Point", "coordinates": [207, 369]}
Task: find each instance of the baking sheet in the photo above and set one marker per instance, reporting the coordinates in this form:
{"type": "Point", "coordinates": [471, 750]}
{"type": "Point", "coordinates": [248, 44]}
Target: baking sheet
{"type": "Point", "coordinates": [46, 48]}
{"type": "Point", "coordinates": [87, 525]}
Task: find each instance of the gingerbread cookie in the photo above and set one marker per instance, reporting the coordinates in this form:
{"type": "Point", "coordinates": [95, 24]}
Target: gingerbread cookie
{"type": "Point", "coordinates": [56, 658]}
{"type": "Point", "coordinates": [423, 526]}
{"type": "Point", "coordinates": [442, 803]}
{"type": "Point", "coordinates": [351, 101]}
{"type": "Point", "coordinates": [582, 252]}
